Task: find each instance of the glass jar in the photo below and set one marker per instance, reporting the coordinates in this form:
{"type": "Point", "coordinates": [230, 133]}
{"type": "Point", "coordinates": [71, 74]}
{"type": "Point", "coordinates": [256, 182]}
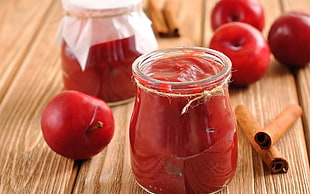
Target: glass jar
{"type": "Point", "coordinates": [99, 41]}
{"type": "Point", "coordinates": [183, 133]}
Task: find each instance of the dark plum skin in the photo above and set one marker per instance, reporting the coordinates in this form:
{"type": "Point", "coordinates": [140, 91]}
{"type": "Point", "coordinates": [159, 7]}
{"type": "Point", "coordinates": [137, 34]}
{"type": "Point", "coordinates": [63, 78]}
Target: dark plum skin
{"type": "Point", "coordinates": [289, 38]}
{"type": "Point", "coordinates": [246, 11]}
{"type": "Point", "coordinates": [76, 125]}
{"type": "Point", "coordinates": [246, 48]}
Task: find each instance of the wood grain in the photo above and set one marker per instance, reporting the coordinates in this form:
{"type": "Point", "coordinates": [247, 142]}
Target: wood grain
{"type": "Point", "coordinates": [265, 98]}
{"type": "Point", "coordinates": [190, 25]}
{"type": "Point", "coordinates": [27, 164]}
{"type": "Point", "coordinates": [105, 172]}
{"type": "Point", "coordinates": [19, 23]}
{"type": "Point", "coordinates": [302, 74]}
{"type": "Point", "coordinates": [113, 174]}
{"type": "Point", "coordinates": [302, 84]}
{"type": "Point", "coordinates": [30, 75]}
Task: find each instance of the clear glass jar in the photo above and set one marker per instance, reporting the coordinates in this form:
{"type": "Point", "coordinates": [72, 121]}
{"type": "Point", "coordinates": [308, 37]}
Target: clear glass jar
{"type": "Point", "coordinates": [99, 41]}
{"type": "Point", "coordinates": [183, 133]}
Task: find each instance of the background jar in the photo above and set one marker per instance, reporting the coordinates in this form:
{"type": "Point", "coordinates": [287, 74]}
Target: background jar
{"type": "Point", "coordinates": [99, 41]}
{"type": "Point", "coordinates": [183, 135]}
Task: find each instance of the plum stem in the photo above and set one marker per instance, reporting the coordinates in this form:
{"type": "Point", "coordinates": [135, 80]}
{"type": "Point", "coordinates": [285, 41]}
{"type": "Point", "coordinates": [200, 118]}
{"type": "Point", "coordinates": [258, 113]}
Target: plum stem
{"type": "Point", "coordinates": [98, 126]}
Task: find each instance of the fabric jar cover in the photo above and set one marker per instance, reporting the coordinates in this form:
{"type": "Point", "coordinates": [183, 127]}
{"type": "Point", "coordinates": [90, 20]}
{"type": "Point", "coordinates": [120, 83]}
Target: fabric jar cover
{"type": "Point", "coordinates": [90, 22]}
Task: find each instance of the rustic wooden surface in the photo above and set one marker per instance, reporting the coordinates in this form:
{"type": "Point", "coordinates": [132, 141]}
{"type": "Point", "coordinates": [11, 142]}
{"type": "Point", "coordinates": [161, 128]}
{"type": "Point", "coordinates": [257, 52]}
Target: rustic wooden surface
{"type": "Point", "coordinates": [30, 75]}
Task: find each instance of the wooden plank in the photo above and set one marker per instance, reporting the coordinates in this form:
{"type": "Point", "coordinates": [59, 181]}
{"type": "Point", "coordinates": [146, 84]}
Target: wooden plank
{"type": "Point", "coordinates": [266, 98]}
{"type": "Point", "coordinates": [302, 74]}
{"type": "Point", "coordinates": [20, 21]}
{"type": "Point", "coordinates": [303, 80]}
{"type": "Point", "coordinates": [245, 161]}
{"type": "Point", "coordinates": [27, 164]}
{"type": "Point", "coordinates": [190, 25]}
{"type": "Point", "coordinates": [300, 175]}
{"type": "Point", "coordinates": [110, 171]}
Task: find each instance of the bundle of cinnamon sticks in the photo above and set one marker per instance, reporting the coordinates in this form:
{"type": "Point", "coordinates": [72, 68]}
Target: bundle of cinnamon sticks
{"type": "Point", "coordinates": [165, 21]}
{"type": "Point", "coordinates": [263, 139]}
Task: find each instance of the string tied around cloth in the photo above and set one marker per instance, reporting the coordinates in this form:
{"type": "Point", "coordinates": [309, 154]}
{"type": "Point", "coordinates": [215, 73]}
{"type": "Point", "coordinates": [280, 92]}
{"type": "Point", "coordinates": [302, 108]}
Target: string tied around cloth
{"type": "Point", "coordinates": [216, 91]}
{"type": "Point", "coordinates": [104, 13]}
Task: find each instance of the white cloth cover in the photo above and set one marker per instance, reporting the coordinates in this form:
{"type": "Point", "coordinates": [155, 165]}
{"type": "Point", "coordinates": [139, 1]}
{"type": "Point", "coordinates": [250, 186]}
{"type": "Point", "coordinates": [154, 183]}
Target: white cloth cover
{"type": "Point", "coordinates": [90, 22]}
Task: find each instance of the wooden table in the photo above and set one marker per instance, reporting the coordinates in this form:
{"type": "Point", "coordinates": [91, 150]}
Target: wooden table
{"type": "Point", "coordinates": [30, 75]}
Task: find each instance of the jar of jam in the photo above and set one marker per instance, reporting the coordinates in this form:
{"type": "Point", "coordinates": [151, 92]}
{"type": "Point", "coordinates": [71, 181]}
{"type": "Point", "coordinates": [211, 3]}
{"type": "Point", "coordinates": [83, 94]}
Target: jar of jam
{"type": "Point", "coordinates": [183, 133]}
{"type": "Point", "coordinates": [99, 41]}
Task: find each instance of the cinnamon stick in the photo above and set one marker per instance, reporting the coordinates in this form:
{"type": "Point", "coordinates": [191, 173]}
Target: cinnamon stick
{"type": "Point", "coordinates": [170, 14]}
{"type": "Point", "coordinates": [271, 156]}
{"type": "Point", "coordinates": [159, 25]}
{"type": "Point", "coordinates": [278, 126]}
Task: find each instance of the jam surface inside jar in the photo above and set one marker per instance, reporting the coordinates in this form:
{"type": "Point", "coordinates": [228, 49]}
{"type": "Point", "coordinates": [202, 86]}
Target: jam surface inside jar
{"type": "Point", "coordinates": [182, 69]}
{"type": "Point", "coordinates": [171, 152]}
{"type": "Point", "coordinates": [108, 70]}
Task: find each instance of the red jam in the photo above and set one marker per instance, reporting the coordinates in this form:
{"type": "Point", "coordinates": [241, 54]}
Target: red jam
{"type": "Point", "coordinates": [194, 152]}
{"type": "Point", "coordinates": [108, 70]}
{"type": "Point", "coordinates": [182, 69]}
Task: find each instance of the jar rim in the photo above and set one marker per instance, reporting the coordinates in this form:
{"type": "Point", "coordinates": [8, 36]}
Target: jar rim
{"type": "Point", "coordinates": [100, 5]}
{"type": "Point", "coordinates": [147, 58]}
{"type": "Point", "coordinates": [91, 11]}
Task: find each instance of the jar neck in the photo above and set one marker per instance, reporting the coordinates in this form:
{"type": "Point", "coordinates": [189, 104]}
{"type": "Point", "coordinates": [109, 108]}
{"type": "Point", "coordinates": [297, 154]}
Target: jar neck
{"type": "Point", "coordinates": [212, 85]}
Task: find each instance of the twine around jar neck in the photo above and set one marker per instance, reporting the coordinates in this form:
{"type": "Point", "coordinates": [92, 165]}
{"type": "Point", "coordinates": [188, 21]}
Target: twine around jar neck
{"type": "Point", "coordinates": [108, 13]}
{"type": "Point", "coordinates": [218, 90]}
